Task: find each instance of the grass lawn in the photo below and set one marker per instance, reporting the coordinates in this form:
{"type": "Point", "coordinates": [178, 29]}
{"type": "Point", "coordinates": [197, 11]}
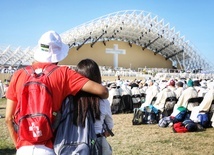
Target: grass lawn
{"type": "Point", "coordinates": [138, 140]}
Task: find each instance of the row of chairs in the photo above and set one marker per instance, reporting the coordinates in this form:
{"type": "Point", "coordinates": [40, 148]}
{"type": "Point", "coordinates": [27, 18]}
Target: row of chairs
{"type": "Point", "coordinates": [171, 101]}
{"type": "Point", "coordinates": [126, 103]}
{"type": "Point", "coordinates": [192, 102]}
{"type": "Point", "coordinates": [196, 101]}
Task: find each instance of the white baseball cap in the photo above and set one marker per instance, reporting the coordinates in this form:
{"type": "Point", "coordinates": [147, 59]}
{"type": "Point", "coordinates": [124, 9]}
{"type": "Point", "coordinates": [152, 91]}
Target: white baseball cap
{"type": "Point", "coordinates": [50, 48]}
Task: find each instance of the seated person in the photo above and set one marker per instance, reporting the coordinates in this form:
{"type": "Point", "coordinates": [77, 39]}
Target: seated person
{"type": "Point", "coordinates": [113, 91]}
{"type": "Point", "coordinates": [151, 92]}
{"type": "Point", "coordinates": [203, 89]}
{"type": "Point", "coordinates": [204, 105]}
{"type": "Point", "coordinates": [171, 85]}
{"type": "Point", "coordinates": [161, 98]}
{"type": "Point", "coordinates": [125, 89]}
{"type": "Point", "coordinates": [136, 91]}
{"type": "Point", "coordinates": [179, 90]}
{"type": "Point", "coordinates": [189, 92]}
{"type": "Point", "coordinates": [144, 87]}
{"type": "Point", "coordinates": [196, 85]}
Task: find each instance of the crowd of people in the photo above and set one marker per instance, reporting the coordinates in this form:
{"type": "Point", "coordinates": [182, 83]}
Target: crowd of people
{"type": "Point", "coordinates": [156, 91]}
{"type": "Point", "coordinates": [9, 69]}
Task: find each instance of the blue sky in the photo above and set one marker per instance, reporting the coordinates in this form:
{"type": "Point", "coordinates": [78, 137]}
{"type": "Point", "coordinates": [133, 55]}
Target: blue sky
{"type": "Point", "coordinates": [22, 22]}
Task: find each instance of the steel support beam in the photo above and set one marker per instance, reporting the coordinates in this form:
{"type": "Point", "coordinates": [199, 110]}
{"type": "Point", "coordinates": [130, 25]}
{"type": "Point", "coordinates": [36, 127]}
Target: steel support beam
{"type": "Point", "coordinates": [150, 43]}
{"type": "Point", "coordinates": [70, 46]}
{"type": "Point", "coordinates": [92, 44]}
{"type": "Point", "coordinates": [163, 48]}
{"type": "Point", "coordinates": [83, 43]}
{"type": "Point", "coordinates": [170, 56]}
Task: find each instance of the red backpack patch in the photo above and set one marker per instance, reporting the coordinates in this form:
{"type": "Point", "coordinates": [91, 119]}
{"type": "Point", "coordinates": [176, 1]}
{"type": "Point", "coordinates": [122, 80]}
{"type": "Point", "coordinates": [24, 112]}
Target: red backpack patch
{"type": "Point", "coordinates": [34, 115]}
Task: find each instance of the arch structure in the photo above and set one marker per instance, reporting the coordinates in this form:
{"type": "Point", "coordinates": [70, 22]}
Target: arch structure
{"type": "Point", "coordinates": [132, 26]}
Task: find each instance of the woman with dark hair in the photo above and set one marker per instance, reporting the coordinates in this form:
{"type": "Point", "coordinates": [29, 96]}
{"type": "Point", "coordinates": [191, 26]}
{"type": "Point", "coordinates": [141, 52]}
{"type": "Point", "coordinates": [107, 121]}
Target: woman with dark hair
{"type": "Point", "coordinates": [99, 108]}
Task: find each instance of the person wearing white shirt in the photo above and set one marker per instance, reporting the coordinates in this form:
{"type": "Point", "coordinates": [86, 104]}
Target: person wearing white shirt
{"type": "Point", "coordinates": [161, 98]}
{"type": "Point", "coordinates": [203, 89]}
{"type": "Point", "coordinates": [145, 87]}
{"type": "Point", "coordinates": [106, 116]}
{"type": "Point", "coordinates": [171, 85]}
{"type": "Point", "coordinates": [151, 92]}
{"type": "Point", "coordinates": [136, 95]}
{"type": "Point", "coordinates": [125, 89]}
{"type": "Point", "coordinates": [204, 105]}
{"type": "Point", "coordinates": [113, 91]}
{"type": "Point", "coordinates": [188, 93]}
{"type": "Point", "coordinates": [179, 90]}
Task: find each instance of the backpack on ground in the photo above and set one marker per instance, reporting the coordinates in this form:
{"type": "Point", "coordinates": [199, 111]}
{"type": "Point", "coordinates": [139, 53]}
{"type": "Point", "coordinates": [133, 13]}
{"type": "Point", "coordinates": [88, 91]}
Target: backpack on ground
{"type": "Point", "coordinates": [34, 116]}
{"type": "Point", "coordinates": [164, 122]}
{"type": "Point", "coordinates": [190, 125]}
{"type": "Point", "coordinates": [72, 139]}
{"type": "Point", "coordinates": [180, 115]}
{"type": "Point", "coordinates": [204, 120]}
{"type": "Point", "coordinates": [179, 128]}
{"type": "Point", "coordinates": [152, 114]}
{"type": "Point", "coordinates": [152, 117]}
{"type": "Point", "coordinates": [139, 117]}
{"type": "Point", "coordinates": [145, 116]}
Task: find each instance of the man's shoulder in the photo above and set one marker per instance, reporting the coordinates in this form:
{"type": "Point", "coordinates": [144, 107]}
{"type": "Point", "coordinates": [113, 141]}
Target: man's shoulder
{"type": "Point", "coordinates": [18, 72]}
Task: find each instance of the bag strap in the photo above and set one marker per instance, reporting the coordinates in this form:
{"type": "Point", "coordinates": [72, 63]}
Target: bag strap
{"type": "Point", "coordinates": [29, 70]}
{"type": "Point", "coordinates": [47, 70]}
{"type": "Point", "coordinates": [66, 110]}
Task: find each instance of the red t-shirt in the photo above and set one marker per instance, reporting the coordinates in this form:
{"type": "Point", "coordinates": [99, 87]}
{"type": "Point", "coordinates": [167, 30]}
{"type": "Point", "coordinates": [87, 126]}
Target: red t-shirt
{"type": "Point", "coordinates": [63, 81]}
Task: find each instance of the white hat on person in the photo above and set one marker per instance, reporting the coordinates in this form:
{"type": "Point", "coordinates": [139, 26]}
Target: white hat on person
{"type": "Point", "coordinates": [50, 48]}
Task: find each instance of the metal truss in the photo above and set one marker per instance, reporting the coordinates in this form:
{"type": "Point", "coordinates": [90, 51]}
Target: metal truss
{"type": "Point", "coordinates": [134, 27]}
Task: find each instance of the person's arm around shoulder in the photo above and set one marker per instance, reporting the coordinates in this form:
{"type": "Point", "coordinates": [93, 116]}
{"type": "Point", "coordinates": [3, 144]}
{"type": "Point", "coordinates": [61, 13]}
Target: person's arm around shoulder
{"type": "Point", "coordinates": [96, 88]}
{"type": "Point", "coordinates": [10, 110]}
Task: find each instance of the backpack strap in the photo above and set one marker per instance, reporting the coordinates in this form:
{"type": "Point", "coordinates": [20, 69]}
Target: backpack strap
{"type": "Point", "coordinates": [29, 70]}
{"type": "Point", "coordinates": [49, 69]}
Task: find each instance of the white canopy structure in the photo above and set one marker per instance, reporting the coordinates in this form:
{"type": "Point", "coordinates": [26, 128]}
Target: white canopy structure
{"type": "Point", "coordinates": [132, 26]}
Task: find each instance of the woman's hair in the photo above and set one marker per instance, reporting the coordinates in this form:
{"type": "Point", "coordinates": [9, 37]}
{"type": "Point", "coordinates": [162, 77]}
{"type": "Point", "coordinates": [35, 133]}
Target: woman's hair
{"type": "Point", "coordinates": [86, 102]}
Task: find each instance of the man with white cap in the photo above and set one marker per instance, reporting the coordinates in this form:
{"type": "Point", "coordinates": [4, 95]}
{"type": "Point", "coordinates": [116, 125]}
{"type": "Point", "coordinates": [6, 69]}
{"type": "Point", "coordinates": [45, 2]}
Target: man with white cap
{"type": "Point", "coordinates": [63, 82]}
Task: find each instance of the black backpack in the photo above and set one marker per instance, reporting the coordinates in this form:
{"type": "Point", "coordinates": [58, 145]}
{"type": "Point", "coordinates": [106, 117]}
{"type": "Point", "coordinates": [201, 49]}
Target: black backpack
{"type": "Point", "coordinates": [145, 117]}
{"type": "Point", "coordinates": [139, 117]}
{"type": "Point", "coordinates": [190, 125]}
{"type": "Point", "coordinates": [204, 120]}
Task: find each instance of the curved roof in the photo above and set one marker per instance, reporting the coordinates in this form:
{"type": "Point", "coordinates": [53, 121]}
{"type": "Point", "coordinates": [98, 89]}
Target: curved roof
{"type": "Point", "coordinates": [132, 26]}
